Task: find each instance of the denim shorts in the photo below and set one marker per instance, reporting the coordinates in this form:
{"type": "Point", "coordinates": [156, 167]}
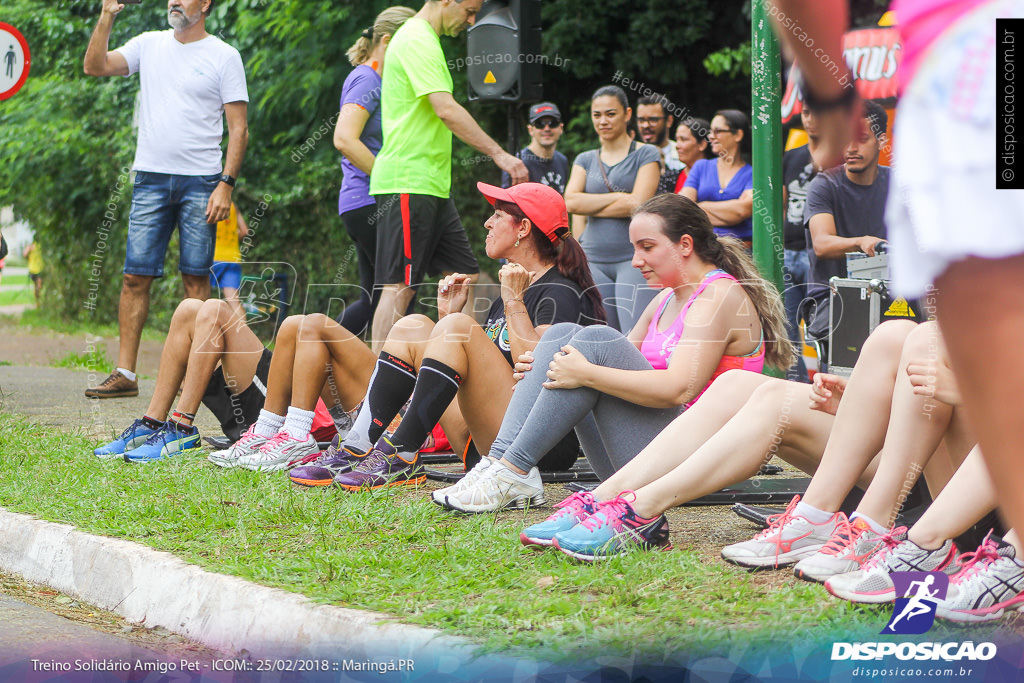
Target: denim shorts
{"type": "Point", "coordinates": [225, 274]}
{"type": "Point", "coordinates": [159, 202]}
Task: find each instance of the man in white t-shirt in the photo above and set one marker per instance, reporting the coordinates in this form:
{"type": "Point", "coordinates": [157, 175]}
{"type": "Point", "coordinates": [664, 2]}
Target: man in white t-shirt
{"type": "Point", "coordinates": [190, 82]}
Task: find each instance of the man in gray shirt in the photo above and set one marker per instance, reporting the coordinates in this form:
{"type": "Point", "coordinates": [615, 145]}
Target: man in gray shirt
{"type": "Point", "coordinates": [845, 213]}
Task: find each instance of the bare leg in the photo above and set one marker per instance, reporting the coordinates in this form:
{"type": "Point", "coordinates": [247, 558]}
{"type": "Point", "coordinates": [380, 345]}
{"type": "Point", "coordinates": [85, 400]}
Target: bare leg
{"type": "Point", "coordinates": [968, 497]}
{"type": "Point", "coordinates": [862, 417]}
{"type": "Point", "coordinates": [231, 297]}
{"type": "Point", "coordinates": [719, 404]}
{"type": "Point", "coordinates": [394, 299]}
{"type": "Point", "coordinates": [916, 426]}
{"type": "Point", "coordinates": [775, 420]}
{"type": "Point", "coordinates": [196, 286]}
{"type": "Point", "coordinates": [132, 311]}
{"type": "Point", "coordinates": [322, 344]}
{"type": "Point", "coordinates": [174, 358]}
{"type": "Point", "coordinates": [279, 379]}
{"type": "Point", "coordinates": [222, 337]}
{"type": "Point", "coordinates": [981, 310]}
{"type": "Point", "coordinates": [461, 344]}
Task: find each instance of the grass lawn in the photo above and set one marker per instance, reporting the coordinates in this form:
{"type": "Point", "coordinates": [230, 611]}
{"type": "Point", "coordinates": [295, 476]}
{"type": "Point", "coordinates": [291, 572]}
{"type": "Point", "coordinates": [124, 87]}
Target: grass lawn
{"type": "Point", "coordinates": [16, 296]}
{"type": "Point", "coordinates": [395, 552]}
{"type": "Point", "coordinates": [44, 322]}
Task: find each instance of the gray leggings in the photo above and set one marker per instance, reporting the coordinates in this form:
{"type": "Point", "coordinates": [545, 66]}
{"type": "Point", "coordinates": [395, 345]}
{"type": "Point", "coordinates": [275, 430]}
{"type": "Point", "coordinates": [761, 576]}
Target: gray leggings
{"type": "Point", "coordinates": [610, 429]}
{"type": "Point", "coordinates": [624, 292]}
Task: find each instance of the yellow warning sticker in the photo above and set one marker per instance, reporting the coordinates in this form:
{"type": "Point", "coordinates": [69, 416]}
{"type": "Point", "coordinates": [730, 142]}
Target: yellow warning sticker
{"type": "Point", "coordinates": [900, 309]}
{"type": "Point", "coordinates": [489, 78]}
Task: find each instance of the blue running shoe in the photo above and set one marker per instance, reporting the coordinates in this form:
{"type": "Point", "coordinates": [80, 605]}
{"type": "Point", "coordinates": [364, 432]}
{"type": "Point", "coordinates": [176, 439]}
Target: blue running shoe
{"type": "Point", "coordinates": [169, 440]}
{"type": "Point", "coordinates": [572, 511]}
{"type": "Point", "coordinates": [612, 528]}
{"type": "Point", "coordinates": [133, 437]}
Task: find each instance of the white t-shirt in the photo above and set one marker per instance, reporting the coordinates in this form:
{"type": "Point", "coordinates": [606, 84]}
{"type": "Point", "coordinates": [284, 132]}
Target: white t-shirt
{"type": "Point", "coordinates": [181, 101]}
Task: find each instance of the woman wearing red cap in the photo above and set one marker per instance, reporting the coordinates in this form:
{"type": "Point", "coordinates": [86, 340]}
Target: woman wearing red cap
{"type": "Point", "coordinates": [546, 281]}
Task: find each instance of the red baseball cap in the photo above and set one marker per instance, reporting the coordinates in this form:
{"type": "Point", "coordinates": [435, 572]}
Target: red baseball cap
{"type": "Point", "coordinates": [542, 205]}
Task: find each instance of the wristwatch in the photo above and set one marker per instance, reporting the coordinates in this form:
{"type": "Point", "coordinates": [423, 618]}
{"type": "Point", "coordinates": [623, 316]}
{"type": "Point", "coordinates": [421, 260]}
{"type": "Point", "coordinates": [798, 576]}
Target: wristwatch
{"type": "Point", "coordinates": [227, 179]}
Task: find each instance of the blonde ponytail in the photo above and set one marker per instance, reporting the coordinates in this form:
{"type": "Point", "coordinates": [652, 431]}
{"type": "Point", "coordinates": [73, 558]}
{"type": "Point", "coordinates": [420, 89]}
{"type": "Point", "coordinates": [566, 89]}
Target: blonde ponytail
{"type": "Point", "coordinates": [386, 23]}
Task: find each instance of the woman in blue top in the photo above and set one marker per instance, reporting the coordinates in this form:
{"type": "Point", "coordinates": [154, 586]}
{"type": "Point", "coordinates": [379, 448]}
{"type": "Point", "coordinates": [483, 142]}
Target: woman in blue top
{"type": "Point", "coordinates": [724, 186]}
{"type": "Point", "coordinates": [358, 136]}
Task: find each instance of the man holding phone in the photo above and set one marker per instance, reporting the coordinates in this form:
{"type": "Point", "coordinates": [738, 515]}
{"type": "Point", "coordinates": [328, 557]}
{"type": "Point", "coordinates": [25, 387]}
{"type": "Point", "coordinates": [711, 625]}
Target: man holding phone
{"type": "Point", "coordinates": [190, 82]}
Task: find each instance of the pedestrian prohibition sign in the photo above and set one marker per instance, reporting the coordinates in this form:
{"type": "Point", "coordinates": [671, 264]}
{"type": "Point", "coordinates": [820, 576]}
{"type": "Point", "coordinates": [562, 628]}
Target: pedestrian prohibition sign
{"type": "Point", "coordinates": [14, 60]}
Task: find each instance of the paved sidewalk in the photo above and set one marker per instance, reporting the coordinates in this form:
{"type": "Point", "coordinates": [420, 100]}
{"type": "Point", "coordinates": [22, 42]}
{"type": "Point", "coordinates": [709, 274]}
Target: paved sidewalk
{"type": "Point", "coordinates": [28, 632]}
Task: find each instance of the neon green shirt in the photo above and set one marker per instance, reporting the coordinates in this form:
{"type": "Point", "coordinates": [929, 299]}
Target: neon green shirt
{"type": "Point", "coordinates": [417, 154]}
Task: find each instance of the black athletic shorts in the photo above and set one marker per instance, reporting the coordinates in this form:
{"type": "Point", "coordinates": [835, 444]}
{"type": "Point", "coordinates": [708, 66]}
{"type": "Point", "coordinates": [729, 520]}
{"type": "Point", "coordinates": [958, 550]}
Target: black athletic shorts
{"type": "Point", "coordinates": [419, 235]}
{"type": "Point", "coordinates": [236, 412]}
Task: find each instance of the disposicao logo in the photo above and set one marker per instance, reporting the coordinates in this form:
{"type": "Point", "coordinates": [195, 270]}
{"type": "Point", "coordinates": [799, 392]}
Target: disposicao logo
{"type": "Point", "coordinates": [914, 613]}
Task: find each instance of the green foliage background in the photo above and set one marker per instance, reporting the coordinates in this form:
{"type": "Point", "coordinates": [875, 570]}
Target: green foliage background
{"type": "Point", "coordinates": [64, 138]}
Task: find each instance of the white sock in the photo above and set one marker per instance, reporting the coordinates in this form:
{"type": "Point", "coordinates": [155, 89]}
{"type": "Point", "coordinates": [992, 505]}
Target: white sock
{"type": "Point", "coordinates": [875, 526]}
{"type": "Point", "coordinates": [357, 436]}
{"type": "Point", "coordinates": [127, 373]}
{"type": "Point", "coordinates": [298, 423]}
{"type": "Point", "coordinates": [268, 424]}
{"type": "Point", "coordinates": [343, 420]}
{"type": "Point", "coordinates": [811, 513]}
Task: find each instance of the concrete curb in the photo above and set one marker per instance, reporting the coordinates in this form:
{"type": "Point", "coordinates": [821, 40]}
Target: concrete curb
{"type": "Point", "coordinates": [226, 613]}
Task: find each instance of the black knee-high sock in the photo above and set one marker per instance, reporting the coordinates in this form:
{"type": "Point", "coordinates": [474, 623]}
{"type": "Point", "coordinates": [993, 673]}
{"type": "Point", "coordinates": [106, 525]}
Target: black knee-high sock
{"type": "Point", "coordinates": [392, 381]}
{"type": "Point", "coordinates": [436, 386]}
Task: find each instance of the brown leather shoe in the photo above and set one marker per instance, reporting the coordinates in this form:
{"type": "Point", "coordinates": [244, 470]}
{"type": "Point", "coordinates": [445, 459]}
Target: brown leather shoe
{"type": "Point", "coordinates": [115, 386]}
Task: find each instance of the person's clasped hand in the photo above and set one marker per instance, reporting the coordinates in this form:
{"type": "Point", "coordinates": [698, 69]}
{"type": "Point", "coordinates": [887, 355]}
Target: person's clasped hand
{"type": "Point", "coordinates": [566, 369]}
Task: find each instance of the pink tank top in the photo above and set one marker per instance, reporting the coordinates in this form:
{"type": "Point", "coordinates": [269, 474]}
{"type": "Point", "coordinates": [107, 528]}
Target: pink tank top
{"type": "Point", "coordinates": [657, 346]}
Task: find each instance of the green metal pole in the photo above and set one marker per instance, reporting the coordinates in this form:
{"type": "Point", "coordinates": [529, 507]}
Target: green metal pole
{"type": "Point", "coordinates": [766, 141]}
{"type": "Point", "coordinates": [766, 133]}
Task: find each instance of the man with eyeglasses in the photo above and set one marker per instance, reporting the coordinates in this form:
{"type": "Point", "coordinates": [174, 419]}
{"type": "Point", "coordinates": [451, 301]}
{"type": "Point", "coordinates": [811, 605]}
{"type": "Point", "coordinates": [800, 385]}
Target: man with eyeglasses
{"type": "Point", "coordinates": [654, 123]}
{"type": "Point", "coordinates": [545, 164]}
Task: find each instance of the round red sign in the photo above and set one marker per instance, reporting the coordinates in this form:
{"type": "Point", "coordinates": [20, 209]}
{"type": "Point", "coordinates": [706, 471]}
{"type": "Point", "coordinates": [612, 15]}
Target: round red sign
{"type": "Point", "coordinates": [14, 60]}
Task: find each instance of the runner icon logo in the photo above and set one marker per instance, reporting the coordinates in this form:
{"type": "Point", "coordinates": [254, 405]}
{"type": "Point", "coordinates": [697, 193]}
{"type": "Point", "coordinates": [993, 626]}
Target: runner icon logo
{"type": "Point", "coordinates": [914, 612]}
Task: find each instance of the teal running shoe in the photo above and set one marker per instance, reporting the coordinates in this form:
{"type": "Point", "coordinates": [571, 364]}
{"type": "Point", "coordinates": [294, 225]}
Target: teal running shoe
{"type": "Point", "coordinates": [571, 512]}
{"type": "Point", "coordinates": [169, 440]}
{"type": "Point", "coordinates": [133, 437]}
{"type": "Point", "coordinates": [612, 529]}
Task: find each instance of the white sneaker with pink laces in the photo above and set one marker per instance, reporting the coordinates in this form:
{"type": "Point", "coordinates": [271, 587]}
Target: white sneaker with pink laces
{"type": "Point", "coordinates": [250, 442]}
{"type": "Point", "coordinates": [280, 452]}
{"type": "Point", "coordinates": [788, 539]}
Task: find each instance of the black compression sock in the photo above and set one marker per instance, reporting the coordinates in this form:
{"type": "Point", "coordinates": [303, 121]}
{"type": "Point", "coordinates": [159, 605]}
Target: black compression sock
{"type": "Point", "coordinates": [436, 386]}
{"type": "Point", "coordinates": [392, 381]}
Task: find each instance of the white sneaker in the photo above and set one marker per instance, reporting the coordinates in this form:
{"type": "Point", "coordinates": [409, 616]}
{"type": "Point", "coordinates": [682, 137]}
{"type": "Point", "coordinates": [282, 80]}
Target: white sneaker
{"type": "Point", "coordinates": [279, 453]}
{"type": "Point", "coordinates": [990, 583]}
{"type": "Point", "coordinates": [871, 584]}
{"type": "Point", "coordinates": [478, 469]}
{"type": "Point", "coordinates": [788, 538]}
{"type": "Point", "coordinates": [497, 488]}
{"type": "Point", "coordinates": [250, 442]}
{"type": "Point", "coordinates": [852, 544]}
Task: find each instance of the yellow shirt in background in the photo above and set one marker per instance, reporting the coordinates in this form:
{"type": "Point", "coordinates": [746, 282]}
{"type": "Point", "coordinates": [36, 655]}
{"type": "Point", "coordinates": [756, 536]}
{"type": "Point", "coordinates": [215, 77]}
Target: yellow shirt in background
{"type": "Point", "coordinates": [227, 238]}
{"type": "Point", "coordinates": [35, 261]}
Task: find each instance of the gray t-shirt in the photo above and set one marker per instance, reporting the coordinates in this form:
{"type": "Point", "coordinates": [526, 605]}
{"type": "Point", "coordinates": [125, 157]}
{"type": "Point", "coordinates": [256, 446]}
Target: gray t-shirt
{"type": "Point", "coordinates": [606, 240]}
{"type": "Point", "coordinates": [858, 210]}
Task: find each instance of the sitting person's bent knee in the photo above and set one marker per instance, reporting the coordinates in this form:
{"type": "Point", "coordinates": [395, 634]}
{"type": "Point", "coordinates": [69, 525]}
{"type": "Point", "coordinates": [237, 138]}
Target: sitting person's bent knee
{"type": "Point", "coordinates": [889, 337]}
{"type": "Point", "coordinates": [186, 310]}
{"type": "Point", "coordinates": [923, 341]}
{"type": "Point", "coordinates": [454, 324]}
{"type": "Point", "coordinates": [290, 327]}
{"type": "Point", "coordinates": [311, 326]}
{"type": "Point", "coordinates": [412, 328]}
{"type": "Point", "coordinates": [214, 311]}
